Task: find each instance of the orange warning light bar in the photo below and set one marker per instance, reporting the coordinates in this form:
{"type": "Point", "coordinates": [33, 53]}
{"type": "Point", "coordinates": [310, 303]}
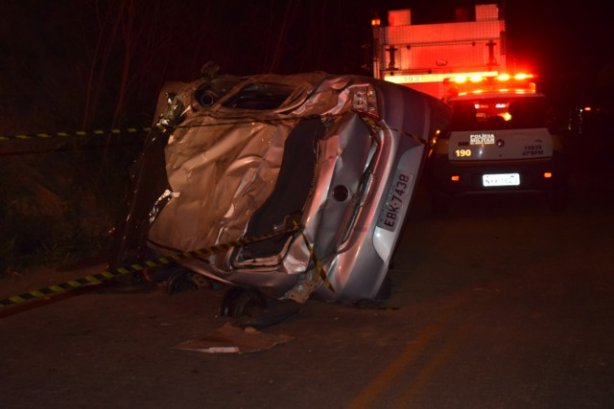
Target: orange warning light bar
{"type": "Point", "coordinates": [519, 83]}
{"type": "Point", "coordinates": [439, 77]}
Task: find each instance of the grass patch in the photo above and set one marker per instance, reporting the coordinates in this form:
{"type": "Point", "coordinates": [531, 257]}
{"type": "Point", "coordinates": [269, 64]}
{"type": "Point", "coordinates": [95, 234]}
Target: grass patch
{"type": "Point", "coordinates": [57, 208]}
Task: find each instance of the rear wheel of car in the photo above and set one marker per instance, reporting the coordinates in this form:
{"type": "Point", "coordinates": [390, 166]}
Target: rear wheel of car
{"type": "Point", "coordinates": [239, 302]}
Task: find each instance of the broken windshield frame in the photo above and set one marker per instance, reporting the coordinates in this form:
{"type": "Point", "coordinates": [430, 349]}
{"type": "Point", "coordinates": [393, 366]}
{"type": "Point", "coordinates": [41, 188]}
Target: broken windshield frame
{"type": "Point", "coordinates": [260, 96]}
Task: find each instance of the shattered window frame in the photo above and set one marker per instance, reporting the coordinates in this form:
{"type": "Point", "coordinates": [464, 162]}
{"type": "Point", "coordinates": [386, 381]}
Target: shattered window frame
{"type": "Point", "coordinates": [260, 96]}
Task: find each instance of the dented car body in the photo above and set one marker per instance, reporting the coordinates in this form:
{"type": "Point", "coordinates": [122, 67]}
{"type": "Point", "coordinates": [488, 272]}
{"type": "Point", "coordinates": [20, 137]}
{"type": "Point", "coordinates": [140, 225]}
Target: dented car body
{"type": "Point", "coordinates": [327, 163]}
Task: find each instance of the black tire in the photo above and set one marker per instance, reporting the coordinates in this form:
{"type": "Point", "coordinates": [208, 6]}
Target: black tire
{"type": "Point", "coordinates": [181, 280]}
{"type": "Point", "coordinates": [239, 302]}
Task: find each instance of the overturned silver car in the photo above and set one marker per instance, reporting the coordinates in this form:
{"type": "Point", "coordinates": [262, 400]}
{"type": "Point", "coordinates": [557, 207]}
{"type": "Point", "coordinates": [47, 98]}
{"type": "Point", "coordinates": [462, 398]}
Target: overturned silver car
{"type": "Point", "coordinates": [324, 165]}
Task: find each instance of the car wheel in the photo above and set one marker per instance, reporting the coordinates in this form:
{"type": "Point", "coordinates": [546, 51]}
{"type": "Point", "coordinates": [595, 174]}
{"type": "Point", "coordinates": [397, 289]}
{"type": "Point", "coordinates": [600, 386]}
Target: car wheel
{"type": "Point", "coordinates": [239, 302]}
{"type": "Point", "coordinates": [181, 280]}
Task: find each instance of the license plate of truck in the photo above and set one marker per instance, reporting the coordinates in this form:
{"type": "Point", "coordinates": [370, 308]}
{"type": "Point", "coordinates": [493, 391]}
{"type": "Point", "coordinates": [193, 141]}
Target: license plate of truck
{"type": "Point", "coordinates": [501, 179]}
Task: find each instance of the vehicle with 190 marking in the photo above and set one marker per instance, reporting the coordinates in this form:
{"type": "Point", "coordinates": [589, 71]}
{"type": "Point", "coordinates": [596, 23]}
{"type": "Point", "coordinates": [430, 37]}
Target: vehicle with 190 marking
{"type": "Point", "coordinates": [501, 139]}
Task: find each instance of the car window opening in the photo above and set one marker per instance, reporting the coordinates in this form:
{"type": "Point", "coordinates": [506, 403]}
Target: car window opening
{"type": "Point", "coordinates": [291, 190]}
{"type": "Point", "coordinates": [260, 96]}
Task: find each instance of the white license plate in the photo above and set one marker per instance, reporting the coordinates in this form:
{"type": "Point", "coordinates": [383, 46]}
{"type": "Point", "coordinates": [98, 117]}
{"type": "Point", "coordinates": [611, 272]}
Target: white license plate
{"type": "Point", "coordinates": [501, 179]}
{"type": "Point", "coordinates": [397, 199]}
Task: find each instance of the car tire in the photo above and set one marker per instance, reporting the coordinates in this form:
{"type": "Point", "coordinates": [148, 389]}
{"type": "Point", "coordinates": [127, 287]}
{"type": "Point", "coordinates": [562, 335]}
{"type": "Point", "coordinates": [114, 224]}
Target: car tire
{"type": "Point", "coordinates": [239, 302]}
{"type": "Point", "coordinates": [179, 282]}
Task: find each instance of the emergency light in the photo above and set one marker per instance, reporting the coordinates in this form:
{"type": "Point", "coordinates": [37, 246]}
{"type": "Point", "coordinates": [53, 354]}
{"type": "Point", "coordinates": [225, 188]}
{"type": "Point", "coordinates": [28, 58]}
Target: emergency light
{"type": "Point", "coordinates": [519, 83]}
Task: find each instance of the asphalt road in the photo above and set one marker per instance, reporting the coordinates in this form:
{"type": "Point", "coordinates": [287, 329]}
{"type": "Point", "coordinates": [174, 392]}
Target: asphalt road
{"type": "Point", "coordinates": [499, 303]}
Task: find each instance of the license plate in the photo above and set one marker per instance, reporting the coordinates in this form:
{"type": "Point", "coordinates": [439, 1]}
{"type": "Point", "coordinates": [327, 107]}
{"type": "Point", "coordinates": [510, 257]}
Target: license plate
{"type": "Point", "coordinates": [397, 198]}
{"type": "Point", "coordinates": [501, 179]}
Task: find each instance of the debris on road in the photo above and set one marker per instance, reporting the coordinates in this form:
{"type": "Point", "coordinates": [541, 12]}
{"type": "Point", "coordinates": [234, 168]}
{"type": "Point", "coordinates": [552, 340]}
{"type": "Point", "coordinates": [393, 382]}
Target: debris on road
{"type": "Point", "coordinates": [229, 339]}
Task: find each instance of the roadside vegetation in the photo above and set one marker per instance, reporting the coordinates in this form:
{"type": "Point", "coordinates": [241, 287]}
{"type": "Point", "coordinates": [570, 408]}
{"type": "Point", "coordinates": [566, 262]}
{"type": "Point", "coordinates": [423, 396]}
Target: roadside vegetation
{"type": "Point", "coordinates": [100, 65]}
{"type": "Point", "coordinates": [58, 208]}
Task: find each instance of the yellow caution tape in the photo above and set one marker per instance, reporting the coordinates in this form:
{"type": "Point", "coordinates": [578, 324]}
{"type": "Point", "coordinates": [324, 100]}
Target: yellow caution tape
{"type": "Point", "coordinates": [79, 133]}
{"type": "Point", "coordinates": [312, 255]}
{"type": "Point", "coordinates": [136, 267]}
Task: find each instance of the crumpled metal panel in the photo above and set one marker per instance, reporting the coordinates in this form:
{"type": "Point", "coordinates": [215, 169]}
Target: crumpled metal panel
{"type": "Point", "coordinates": [222, 164]}
{"type": "Point", "coordinates": [220, 175]}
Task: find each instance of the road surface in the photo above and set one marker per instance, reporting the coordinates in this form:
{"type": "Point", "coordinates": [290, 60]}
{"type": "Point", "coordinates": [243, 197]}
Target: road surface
{"type": "Point", "coordinates": [500, 303]}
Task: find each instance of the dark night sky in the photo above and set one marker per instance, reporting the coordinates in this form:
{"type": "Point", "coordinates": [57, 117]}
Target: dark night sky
{"type": "Point", "coordinates": [562, 40]}
{"type": "Point", "coordinates": [73, 57]}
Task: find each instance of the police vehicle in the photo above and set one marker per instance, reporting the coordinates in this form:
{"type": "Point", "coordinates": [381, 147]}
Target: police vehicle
{"type": "Point", "coordinates": [501, 139]}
